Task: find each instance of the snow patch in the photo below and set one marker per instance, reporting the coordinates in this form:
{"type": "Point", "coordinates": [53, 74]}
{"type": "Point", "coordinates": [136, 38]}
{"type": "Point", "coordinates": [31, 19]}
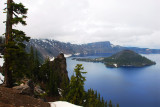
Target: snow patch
{"type": "Point", "coordinates": [67, 55]}
{"type": "Point", "coordinates": [1, 64]}
{"type": "Point", "coordinates": [115, 65]}
{"type": "Point", "coordinates": [60, 91]}
{"type": "Point", "coordinates": [77, 54]}
{"type": "Point", "coordinates": [1, 60]}
{"type": "Point", "coordinates": [113, 46]}
{"type": "Point", "coordinates": [44, 41]}
{"type": "Point", "coordinates": [62, 104]}
{"type": "Point", "coordinates": [52, 59]}
{"type": "Point", "coordinates": [1, 78]}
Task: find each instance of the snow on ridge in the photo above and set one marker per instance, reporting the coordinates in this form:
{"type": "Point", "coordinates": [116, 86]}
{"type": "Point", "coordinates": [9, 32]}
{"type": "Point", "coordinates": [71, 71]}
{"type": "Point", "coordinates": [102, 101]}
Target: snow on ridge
{"type": "Point", "coordinates": [67, 55]}
{"type": "Point", "coordinates": [44, 41]}
{"type": "Point", "coordinates": [113, 46]}
{"type": "Point", "coordinates": [77, 54]}
{"type": "Point", "coordinates": [62, 104]}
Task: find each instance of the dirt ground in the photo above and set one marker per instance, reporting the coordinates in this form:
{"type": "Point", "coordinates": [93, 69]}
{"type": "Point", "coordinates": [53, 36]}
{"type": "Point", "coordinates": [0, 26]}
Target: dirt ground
{"type": "Point", "coordinates": [11, 98]}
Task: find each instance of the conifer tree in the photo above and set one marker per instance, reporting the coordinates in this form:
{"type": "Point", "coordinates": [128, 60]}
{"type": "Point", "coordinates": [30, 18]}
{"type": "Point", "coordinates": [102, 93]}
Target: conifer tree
{"type": "Point", "coordinates": [36, 66]}
{"type": "Point", "coordinates": [99, 97]}
{"type": "Point", "coordinates": [117, 105]}
{"type": "Point", "coordinates": [14, 46]}
{"type": "Point", "coordinates": [31, 60]}
{"type": "Point", "coordinates": [105, 104]}
{"type": "Point", "coordinates": [65, 84]}
{"type": "Point", "coordinates": [34, 63]}
{"type": "Point", "coordinates": [76, 92]}
{"type": "Point", "coordinates": [1, 44]}
{"type": "Point", "coordinates": [110, 103]}
{"type": "Point", "coordinates": [48, 78]}
{"type": "Point", "coordinates": [102, 101]}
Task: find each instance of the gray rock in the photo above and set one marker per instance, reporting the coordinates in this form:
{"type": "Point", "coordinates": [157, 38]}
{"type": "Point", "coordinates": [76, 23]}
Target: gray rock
{"type": "Point", "coordinates": [27, 88]}
{"type": "Point", "coordinates": [38, 90]}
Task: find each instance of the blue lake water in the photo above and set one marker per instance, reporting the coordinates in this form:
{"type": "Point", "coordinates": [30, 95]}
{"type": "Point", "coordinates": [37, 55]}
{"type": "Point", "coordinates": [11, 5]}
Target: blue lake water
{"type": "Point", "coordinates": [129, 87]}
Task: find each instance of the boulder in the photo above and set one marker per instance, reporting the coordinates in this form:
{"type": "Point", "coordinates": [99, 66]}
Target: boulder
{"type": "Point", "coordinates": [26, 88]}
{"type": "Point", "coordinates": [38, 90]}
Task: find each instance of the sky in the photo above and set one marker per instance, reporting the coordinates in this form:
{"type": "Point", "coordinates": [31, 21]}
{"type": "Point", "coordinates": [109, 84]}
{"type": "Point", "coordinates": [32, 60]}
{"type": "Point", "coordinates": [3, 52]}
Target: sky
{"type": "Point", "coordinates": [133, 23]}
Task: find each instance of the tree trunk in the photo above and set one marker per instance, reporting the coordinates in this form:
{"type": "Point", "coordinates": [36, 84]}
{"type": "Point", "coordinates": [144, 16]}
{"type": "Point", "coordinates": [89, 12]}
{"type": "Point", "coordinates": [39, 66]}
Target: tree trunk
{"type": "Point", "coordinates": [8, 72]}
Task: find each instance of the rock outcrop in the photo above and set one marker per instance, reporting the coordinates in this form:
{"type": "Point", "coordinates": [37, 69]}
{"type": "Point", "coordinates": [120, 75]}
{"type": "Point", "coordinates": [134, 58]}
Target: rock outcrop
{"type": "Point", "coordinates": [61, 60]}
{"type": "Point", "coordinates": [27, 88]}
{"type": "Point", "coordinates": [38, 90]}
{"type": "Point", "coordinates": [59, 64]}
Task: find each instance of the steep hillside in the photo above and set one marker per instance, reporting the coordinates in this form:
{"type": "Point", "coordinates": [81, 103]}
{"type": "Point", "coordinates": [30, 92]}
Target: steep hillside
{"type": "Point", "coordinates": [51, 48]}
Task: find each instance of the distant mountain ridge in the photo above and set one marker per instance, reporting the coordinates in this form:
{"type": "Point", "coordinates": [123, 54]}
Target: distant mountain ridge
{"type": "Point", "coordinates": [51, 48]}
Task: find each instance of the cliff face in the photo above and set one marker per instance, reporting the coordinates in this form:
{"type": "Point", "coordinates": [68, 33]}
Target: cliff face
{"type": "Point", "coordinates": [61, 61]}
{"type": "Point", "coordinates": [60, 67]}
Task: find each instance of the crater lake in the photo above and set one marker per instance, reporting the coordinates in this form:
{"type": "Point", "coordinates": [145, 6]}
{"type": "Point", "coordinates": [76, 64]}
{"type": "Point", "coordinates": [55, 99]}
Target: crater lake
{"type": "Point", "coordinates": [128, 87]}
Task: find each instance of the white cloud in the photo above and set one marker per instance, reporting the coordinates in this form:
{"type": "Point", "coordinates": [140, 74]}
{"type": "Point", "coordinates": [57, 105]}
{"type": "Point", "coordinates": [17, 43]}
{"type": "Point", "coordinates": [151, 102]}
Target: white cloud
{"type": "Point", "coordinates": [123, 22]}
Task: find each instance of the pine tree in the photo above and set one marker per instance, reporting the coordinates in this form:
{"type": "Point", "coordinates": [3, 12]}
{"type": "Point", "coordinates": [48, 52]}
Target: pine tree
{"type": "Point", "coordinates": [117, 105]}
{"type": "Point", "coordinates": [48, 78]}
{"type": "Point", "coordinates": [14, 46]}
{"type": "Point", "coordinates": [102, 101]}
{"type": "Point", "coordinates": [8, 73]}
{"type": "Point", "coordinates": [45, 72]}
{"type": "Point", "coordinates": [110, 103]}
{"type": "Point", "coordinates": [34, 63]}
{"type": "Point", "coordinates": [36, 67]}
{"type": "Point", "coordinates": [65, 85]}
{"type": "Point", "coordinates": [105, 104]}
{"type": "Point", "coordinates": [31, 61]}
{"type": "Point", "coordinates": [99, 97]}
{"type": "Point", "coordinates": [1, 44]}
{"type": "Point", "coordinates": [96, 95]}
{"type": "Point", "coordinates": [76, 92]}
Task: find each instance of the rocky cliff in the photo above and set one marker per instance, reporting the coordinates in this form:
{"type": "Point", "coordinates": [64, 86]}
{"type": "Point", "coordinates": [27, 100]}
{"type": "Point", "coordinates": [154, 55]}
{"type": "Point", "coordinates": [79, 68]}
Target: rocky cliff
{"type": "Point", "coordinates": [60, 67]}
